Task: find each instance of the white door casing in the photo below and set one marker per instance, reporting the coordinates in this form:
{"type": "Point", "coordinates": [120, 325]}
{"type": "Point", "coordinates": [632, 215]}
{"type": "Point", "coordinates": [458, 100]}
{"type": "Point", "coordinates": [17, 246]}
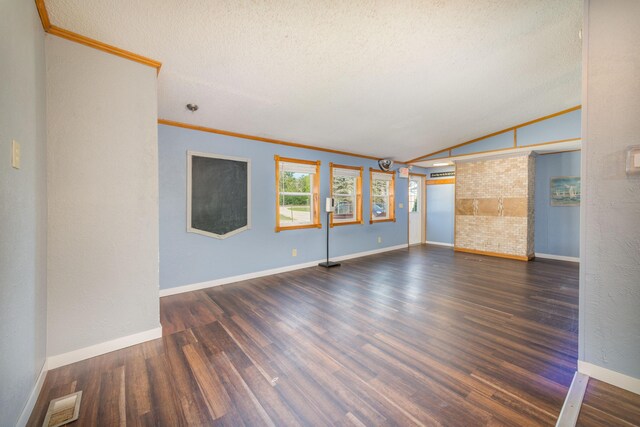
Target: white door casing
{"type": "Point", "coordinates": [415, 208]}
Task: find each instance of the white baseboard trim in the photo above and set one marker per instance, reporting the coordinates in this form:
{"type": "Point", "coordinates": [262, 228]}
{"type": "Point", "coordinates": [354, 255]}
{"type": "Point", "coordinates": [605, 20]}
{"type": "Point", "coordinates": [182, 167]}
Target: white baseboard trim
{"type": "Point", "coordinates": [272, 271]}
{"type": "Point", "coordinates": [365, 253]}
{"type": "Point", "coordinates": [573, 402]}
{"type": "Point", "coordinates": [102, 348]}
{"type": "Point", "coordinates": [33, 397]}
{"type": "Point", "coordinates": [450, 245]}
{"type": "Point", "coordinates": [608, 376]}
{"type": "Point", "coordinates": [558, 257]}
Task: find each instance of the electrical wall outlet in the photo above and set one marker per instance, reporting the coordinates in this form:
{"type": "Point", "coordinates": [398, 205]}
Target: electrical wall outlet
{"type": "Point", "coordinates": [400, 205]}
{"type": "Point", "coordinates": [379, 239]}
{"type": "Point", "coordinates": [15, 154]}
{"type": "Point", "coordinates": [294, 252]}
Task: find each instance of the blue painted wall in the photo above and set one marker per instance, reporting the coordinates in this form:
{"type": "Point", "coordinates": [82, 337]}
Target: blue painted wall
{"type": "Point", "coordinates": [437, 156]}
{"type": "Point", "coordinates": [557, 228]}
{"type": "Point", "coordinates": [496, 142]}
{"type": "Point", "coordinates": [187, 258]}
{"type": "Point", "coordinates": [440, 208]}
{"type": "Point", "coordinates": [440, 213]}
{"type": "Point", "coordinates": [562, 127]}
{"type": "Point", "coordinates": [565, 126]}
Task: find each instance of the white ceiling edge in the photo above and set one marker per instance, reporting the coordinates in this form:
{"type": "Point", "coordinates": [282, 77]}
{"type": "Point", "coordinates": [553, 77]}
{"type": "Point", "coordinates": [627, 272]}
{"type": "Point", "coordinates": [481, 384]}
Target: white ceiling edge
{"type": "Point", "coordinates": [539, 149]}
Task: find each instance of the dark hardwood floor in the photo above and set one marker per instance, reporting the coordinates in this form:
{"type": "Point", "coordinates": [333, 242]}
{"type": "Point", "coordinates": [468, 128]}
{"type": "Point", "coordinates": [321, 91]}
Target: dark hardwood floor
{"type": "Point", "coordinates": [411, 337]}
{"type": "Point", "coordinates": [606, 405]}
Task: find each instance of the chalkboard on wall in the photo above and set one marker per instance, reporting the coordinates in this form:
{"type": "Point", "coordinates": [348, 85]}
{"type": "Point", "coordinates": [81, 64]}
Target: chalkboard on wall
{"type": "Point", "coordinates": [218, 194]}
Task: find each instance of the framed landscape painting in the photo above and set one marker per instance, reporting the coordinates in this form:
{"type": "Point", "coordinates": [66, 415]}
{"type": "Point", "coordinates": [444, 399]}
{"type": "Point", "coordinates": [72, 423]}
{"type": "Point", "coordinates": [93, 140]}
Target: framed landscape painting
{"type": "Point", "coordinates": [565, 191]}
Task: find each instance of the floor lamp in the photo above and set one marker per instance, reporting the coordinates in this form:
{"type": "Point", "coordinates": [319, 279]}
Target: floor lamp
{"type": "Point", "coordinates": [329, 207]}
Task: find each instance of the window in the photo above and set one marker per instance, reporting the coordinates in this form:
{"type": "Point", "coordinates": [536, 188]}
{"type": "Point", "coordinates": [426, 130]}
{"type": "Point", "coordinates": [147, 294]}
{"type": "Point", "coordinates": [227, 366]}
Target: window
{"type": "Point", "coordinates": [413, 195]}
{"type": "Point", "coordinates": [346, 189]}
{"type": "Point", "coordinates": [382, 196]}
{"type": "Point", "coordinates": [297, 194]}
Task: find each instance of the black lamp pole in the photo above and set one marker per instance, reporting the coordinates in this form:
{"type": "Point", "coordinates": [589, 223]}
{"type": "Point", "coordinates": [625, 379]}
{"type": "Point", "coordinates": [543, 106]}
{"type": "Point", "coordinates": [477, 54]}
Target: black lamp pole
{"type": "Point", "coordinates": [328, 264]}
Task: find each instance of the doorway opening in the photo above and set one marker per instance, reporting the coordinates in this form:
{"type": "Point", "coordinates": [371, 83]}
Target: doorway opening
{"type": "Point", "coordinates": [440, 209]}
{"type": "Point", "coordinates": [416, 209]}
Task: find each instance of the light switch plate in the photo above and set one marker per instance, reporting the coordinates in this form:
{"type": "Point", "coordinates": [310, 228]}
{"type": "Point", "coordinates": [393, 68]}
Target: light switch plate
{"type": "Point", "coordinates": [633, 160]}
{"type": "Point", "coordinates": [15, 154]}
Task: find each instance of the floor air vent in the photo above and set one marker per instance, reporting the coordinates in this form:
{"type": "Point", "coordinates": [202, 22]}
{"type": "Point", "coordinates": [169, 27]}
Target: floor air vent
{"type": "Point", "coordinates": [63, 410]}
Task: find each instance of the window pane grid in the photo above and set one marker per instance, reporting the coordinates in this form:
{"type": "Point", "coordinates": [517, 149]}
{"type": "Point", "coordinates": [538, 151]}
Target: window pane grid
{"type": "Point", "coordinates": [297, 193]}
{"type": "Point", "coordinates": [382, 193]}
{"type": "Point", "coordinates": [345, 209]}
{"type": "Point", "coordinates": [380, 188]}
{"type": "Point", "coordinates": [413, 196]}
{"type": "Point", "coordinates": [296, 209]}
{"type": "Point", "coordinates": [345, 190]}
{"type": "Point", "coordinates": [380, 207]}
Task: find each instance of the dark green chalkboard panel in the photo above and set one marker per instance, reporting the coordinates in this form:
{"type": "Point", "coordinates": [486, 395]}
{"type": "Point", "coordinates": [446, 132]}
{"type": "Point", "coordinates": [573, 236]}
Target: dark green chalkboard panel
{"type": "Point", "coordinates": [219, 202]}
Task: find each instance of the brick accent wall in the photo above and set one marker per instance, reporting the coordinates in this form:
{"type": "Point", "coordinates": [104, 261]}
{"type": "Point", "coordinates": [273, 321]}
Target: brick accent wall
{"type": "Point", "coordinates": [494, 205]}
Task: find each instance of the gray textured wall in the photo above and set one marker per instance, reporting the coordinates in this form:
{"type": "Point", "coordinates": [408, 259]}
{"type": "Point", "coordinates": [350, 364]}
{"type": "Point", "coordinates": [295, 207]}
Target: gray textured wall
{"type": "Point", "coordinates": [23, 206]}
{"type": "Point", "coordinates": [610, 267]}
{"type": "Point", "coordinates": [103, 197]}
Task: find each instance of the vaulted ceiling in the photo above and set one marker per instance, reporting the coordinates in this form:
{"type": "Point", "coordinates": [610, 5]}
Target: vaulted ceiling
{"type": "Point", "coordinates": [390, 78]}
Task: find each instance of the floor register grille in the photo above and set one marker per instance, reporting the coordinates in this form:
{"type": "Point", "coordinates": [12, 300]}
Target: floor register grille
{"type": "Point", "coordinates": [63, 410]}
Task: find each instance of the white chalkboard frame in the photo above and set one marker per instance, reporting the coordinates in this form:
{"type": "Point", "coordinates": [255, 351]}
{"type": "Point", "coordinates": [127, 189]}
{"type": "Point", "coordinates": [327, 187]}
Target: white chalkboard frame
{"type": "Point", "coordinates": [190, 229]}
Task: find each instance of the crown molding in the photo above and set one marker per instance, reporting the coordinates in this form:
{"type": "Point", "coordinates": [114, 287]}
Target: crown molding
{"type": "Point", "coordinates": [261, 139]}
{"type": "Point", "coordinates": [95, 44]}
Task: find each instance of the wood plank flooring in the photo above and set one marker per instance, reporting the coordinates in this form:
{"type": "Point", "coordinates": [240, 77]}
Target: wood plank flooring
{"type": "Point", "coordinates": [606, 405]}
{"type": "Point", "coordinates": [411, 337]}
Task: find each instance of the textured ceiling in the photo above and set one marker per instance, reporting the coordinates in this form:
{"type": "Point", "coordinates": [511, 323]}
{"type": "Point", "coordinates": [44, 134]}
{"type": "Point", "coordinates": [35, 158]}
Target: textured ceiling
{"type": "Point", "coordinates": [387, 78]}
